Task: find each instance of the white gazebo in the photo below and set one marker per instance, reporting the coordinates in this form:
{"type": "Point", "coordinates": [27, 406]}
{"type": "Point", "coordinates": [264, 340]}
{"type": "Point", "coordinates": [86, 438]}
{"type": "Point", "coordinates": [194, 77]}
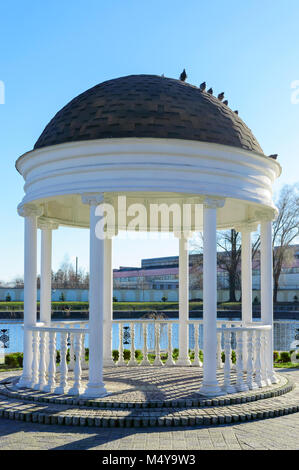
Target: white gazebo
{"type": "Point", "coordinates": [130, 145]}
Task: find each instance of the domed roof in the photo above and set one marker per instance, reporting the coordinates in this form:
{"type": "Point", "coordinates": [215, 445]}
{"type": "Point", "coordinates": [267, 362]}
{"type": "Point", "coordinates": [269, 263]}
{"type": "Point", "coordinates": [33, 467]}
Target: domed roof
{"type": "Point", "coordinates": [147, 106]}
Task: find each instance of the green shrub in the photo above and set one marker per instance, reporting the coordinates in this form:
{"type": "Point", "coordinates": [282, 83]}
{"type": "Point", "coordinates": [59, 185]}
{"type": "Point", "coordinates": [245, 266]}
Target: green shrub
{"type": "Point", "coordinates": [285, 356]}
{"type": "Point", "coordinates": [115, 355]}
{"type": "Point", "coordinates": [175, 353]}
{"type": "Point", "coordinates": [14, 360]}
{"type": "Point", "coordinates": [138, 354]}
{"type": "Point", "coordinates": [275, 356]}
{"type": "Point", "coordinates": [234, 357]}
{"type": "Point", "coordinates": [127, 354]}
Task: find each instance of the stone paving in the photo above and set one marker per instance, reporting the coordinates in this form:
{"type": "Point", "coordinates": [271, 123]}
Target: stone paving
{"type": "Point", "coordinates": [275, 433]}
{"type": "Point", "coordinates": [260, 404]}
{"type": "Point", "coordinates": [281, 432]}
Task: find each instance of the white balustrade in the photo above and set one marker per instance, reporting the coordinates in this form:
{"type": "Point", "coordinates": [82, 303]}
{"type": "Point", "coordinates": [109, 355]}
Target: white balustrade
{"type": "Point", "coordinates": [170, 361]}
{"type": "Point", "coordinates": [250, 342]}
{"type": "Point", "coordinates": [145, 361]}
{"type": "Point", "coordinates": [51, 385]}
{"type": "Point", "coordinates": [44, 370]}
{"type": "Point", "coordinates": [35, 358]}
{"type": "Point", "coordinates": [77, 388]}
{"type": "Point", "coordinates": [254, 373]}
{"type": "Point", "coordinates": [121, 361]}
{"type": "Point", "coordinates": [132, 361]}
{"type": "Point", "coordinates": [252, 385]}
{"type": "Point", "coordinates": [157, 361]}
{"type": "Point", "coordinates": [240, 384]}
{"type": "Point", "coordinates": [42, 361]}
{"type": "Point", "coordinates": [219, 351]}
{"type": "Point", "coordinates": [227, 383]}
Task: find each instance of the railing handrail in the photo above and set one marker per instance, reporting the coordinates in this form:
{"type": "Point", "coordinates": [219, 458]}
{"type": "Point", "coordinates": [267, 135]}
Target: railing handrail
{"type": "Point", "coordinates": [246, 328]}
{"type": "Point", "coordinates": [58, 329]}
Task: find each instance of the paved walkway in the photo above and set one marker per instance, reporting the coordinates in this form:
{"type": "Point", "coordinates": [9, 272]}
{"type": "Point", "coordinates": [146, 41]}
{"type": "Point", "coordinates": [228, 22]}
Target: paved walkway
{"type": "Point", "coordinates": [275, 433]}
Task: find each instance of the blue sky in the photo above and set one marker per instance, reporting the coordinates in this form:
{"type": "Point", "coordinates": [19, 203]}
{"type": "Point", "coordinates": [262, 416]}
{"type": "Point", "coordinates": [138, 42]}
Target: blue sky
{"type": "Point", "coordinates": [52, 51]}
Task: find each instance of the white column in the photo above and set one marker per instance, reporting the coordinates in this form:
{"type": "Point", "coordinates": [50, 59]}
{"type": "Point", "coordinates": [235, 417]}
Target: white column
{"type": "Point", "coordinates": [267, 289]}
{"type": "Point", "coordinates": [210, 384]}
{"type": "Point", "coordinates": [183, 359]}
{"type": "Point", "coordinates": [108, 308]}
{"type": "Point", "coordinates": [30, 213]}
{"type": "Point", "coordinates": [246, 276]}
{"type": "Point", "coordinates": [46, 228]}
{"type": "Point", "coordinates": [95, 387]}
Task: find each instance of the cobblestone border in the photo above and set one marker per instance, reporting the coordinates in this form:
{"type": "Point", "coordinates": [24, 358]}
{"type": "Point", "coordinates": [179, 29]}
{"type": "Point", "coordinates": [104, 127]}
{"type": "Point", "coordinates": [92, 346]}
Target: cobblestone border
{"type": "Point", "coordinates": [285, 386]}
{"type": "Point", "coordinates": [135, 418]}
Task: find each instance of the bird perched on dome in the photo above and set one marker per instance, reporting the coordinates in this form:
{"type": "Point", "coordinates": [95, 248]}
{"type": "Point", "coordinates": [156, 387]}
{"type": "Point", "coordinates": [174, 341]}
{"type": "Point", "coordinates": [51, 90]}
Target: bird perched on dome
{"type": "Point", "coordinates": [183, 76]}
{"type": "Point", "coordinates": [274, 156]}
{"type": "Point", "coordinates": [236, 111]}
{"type": "Point", "coordinates": [225, 102]}
{"type": "Point", "coordinates": [210, 91]}
{"type": "Point", "coordinates": [203, 86]}
{"type": "Point", "coordinates": [220, 96]}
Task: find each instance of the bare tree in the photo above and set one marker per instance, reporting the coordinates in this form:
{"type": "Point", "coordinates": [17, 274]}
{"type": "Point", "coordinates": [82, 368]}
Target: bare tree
{"type": "Point", "coordinates": [285, 231]}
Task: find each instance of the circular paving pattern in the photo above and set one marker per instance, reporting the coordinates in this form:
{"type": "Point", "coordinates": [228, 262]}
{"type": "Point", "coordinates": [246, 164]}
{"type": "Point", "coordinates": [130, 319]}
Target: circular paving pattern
{"type": "Point", "coordinates": [148, 397]}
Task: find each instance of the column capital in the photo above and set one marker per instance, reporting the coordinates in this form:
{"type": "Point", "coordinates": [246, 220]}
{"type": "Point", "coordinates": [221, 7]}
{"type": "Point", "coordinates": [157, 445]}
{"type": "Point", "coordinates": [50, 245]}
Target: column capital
{"type": "Point", "coordinates": [93, 199]}
{"type": "Point", "coordinates": [213, 202]}
{"type": "Point", "coordinates": [266, 215]}
{"type": "Point", "coordinates": [246, 227]}
{"type": "Point", "coordinates": [28, 210]}
{"type": "Point", "coordinates": [183, 234]}
{"type": "Point", "coordinates": [44, 223]}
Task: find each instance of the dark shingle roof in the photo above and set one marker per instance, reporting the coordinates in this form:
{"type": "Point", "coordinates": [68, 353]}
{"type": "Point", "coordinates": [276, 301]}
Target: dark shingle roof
{"type": "Point", "coordinates": [147, 106]}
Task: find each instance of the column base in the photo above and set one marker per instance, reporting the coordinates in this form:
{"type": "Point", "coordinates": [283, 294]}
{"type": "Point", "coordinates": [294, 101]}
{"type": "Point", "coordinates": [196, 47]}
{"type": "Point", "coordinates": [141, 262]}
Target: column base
{"type": "Point", "coordinates": [183, 362]}
{"type": "Point", "coordinates": [242, 387]}
{"type": "Point", "coordinates": [273, 378]}
{"type": "Point", "coordinates": [76, 391]}
{"type": "Point", "coordinates": [108, 362]}
{"type": "Point", "coordinates": [229, 389]}
{"type": "Point", "coordinates": [61, 390]}
{"type": "Point", "coordinates": [158, 362]}
{"type": "Point", "coordinates": [49, 388]}
{"type": "Point", "coordinates": [145, 362]}
{"type": "Point", "coordinates": [24, 382]}
{"type": "Point", "coordinates": [211, 389]}
{"type": "Point", "coordinates": [95, 391]}
{"type": "Point", "coordinates": [253, 386]}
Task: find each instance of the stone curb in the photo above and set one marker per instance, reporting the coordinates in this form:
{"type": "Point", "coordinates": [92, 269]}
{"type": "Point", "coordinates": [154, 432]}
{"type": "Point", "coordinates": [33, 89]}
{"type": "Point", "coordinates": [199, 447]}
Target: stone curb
{"type": "Point", "coordinates": [244, 397]}
{"type": "Point", "coordinates": [209, 416]}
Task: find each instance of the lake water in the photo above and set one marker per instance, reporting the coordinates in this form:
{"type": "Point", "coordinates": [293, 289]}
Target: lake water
{"type": "Point", "coordinates": [284, 335]}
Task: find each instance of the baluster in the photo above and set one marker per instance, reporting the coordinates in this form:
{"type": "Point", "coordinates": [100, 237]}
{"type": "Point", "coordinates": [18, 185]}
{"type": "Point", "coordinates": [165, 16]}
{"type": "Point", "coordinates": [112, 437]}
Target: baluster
{"type": "Point", "coordinates": [145, 361]}
{"type": "Point", "coordinates": [35, 358]}
{"type": "Point", "coordinates": [219, 360]}
{"type": "Point", "coordinates": [265, 371]}
{"type": "Point", "coordinates": [196, 361]}
{"type": "Point", "coordinates": [77, 389]}
{"type": "Point", "coordinates": [121, 361]}
{"type": "Point", "coordinates": [132, 361]}
{"type": "Point", "coordinates": [42, 362]}
{"type": "Point", "coordinates": [250, 379]}
{"type": "Point", "coordinates": [63, 386]}
{"type": "Point", "coordinates": [71, 364]}
{"type": "Point", "coordinates": [240, 384]}
{"type": "Point", "coordinates": [84, 363]}
{"type": "Point", "coordinates": [52, 363]}
{"type": "Point", "coordinates": [170, 361]}
{"type": "Point", "coordinates": [227, 385]}
{"type": "Point", "coordinates": [157, 361]}
{"type": "Point", "coordinates": [258, 363]}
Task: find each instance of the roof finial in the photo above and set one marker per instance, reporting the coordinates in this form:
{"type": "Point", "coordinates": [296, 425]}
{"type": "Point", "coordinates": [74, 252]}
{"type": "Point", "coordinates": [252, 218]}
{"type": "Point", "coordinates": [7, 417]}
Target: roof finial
{"type": "Point", "coordinates": [203, 86]}
{"type": "Point", "coordinates": [183, 76]}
